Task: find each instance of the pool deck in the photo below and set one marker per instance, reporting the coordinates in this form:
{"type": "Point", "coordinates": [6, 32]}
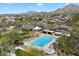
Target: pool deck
{"type": "Point", "coordinates": [50, 51]}
{"type": "Point", "coordinates": [46, 47]}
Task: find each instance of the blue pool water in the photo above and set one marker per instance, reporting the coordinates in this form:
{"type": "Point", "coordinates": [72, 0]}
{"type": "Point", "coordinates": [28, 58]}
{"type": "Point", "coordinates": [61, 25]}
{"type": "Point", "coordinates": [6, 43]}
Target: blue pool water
{"type": "Point", "coordinates": [42, 41]}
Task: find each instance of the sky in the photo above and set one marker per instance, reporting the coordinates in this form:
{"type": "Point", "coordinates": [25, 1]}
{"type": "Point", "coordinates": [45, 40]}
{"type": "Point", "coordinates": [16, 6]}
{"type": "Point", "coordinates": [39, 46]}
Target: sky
{"type": "Point", "coordinates": [15, 8]}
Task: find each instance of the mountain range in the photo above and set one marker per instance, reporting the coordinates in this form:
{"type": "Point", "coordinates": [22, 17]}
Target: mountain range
{"type": "Point", "coordinates": [69, 9]}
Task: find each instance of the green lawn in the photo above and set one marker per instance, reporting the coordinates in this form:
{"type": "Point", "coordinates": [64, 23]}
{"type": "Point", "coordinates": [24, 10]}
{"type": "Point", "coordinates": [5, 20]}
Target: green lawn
{"type": "Point", "coordinates": [29, 52]}
{"type": "Point", "coordinates": [22, 53]}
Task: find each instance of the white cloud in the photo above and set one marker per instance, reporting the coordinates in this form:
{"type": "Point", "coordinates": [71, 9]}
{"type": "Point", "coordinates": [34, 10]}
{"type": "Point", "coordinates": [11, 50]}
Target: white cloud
{"type": "Point", "coordinates": [39, 4]}
{"type": "Point", "coordinates": [38, 10]}
{"type": "Point", "coordinates": [9, 3]}
{"type": "Point", "coordinates": [67, 4]}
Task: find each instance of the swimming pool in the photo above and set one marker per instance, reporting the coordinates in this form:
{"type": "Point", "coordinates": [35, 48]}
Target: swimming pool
{"type": "Point", "coordinates": [42, 41]}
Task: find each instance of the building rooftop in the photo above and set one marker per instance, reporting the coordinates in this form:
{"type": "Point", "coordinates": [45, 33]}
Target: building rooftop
{"type": "Point", "coordinates": [48, 30]}
{"type": "Point", "coordinates": [37, 28]}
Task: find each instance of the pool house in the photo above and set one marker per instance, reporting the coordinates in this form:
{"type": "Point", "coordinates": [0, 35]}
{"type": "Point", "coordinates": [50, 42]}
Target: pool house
{"type": "Point", "coordinates": [37, 29]}
{"type": "Point", "coordinates": [48, 32]}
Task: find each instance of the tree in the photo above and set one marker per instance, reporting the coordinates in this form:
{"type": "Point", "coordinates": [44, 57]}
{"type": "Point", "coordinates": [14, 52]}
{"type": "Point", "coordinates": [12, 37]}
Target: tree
{"type": "Point", "coordinates": [68, 45]}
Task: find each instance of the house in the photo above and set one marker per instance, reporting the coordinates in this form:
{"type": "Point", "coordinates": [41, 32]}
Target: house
{"type": "Point", "coordinates": [62, 29]}
{"type": "Point", "coordinates": [37, 28]}
{"type": "Point", "coordinates": [45, 21]}
{"type": "Point", "coordinates": [49, 21]}
{"type": "Point", "coordinates": [48, 32]}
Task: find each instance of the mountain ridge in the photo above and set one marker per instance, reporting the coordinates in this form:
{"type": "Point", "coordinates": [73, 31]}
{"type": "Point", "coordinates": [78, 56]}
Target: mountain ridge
{"type": "Point", "coordinates": [69, 9]}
